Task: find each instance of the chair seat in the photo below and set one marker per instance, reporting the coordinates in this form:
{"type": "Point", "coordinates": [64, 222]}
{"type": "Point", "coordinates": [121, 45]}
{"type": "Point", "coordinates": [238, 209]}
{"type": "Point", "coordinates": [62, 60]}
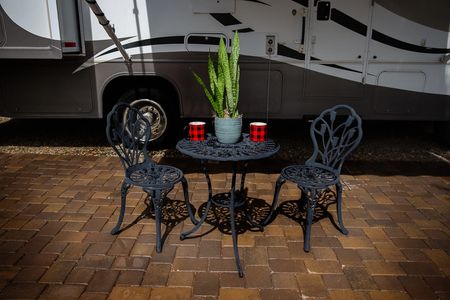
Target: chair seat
{"type": "Point", "coordinates": [310, 176]}
{"type": "Point", "coordinates": [153, 176]}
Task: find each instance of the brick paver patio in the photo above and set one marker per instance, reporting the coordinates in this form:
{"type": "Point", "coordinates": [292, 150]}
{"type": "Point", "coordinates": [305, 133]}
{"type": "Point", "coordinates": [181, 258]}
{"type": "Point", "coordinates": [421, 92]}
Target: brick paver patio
{"type": "Point", "coordinates": [56, 213]}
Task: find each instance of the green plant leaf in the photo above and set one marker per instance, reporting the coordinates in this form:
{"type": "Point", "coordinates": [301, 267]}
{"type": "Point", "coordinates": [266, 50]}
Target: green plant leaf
{"type": "Point", "coordinates": [219, 110]}
{"type": "Point", "coordinates": [223, 62]}
{"type": "Point", "coordinates": [223, 91]}
{"type": "Point", "coordinates": [211, 73]}
{"type": "Point", "coordinates": [220, 87]}
{"type": "Point", "coordinates": [236, 93]}
{"type": "Point", "coordinates": [234, 57]}
{"type": "Point", "coordinates": [208, 94]}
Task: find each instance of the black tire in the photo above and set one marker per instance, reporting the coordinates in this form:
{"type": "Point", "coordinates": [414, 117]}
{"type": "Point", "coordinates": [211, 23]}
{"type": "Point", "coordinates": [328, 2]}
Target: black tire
{"type": "Point", "coordinates": [155, 105]}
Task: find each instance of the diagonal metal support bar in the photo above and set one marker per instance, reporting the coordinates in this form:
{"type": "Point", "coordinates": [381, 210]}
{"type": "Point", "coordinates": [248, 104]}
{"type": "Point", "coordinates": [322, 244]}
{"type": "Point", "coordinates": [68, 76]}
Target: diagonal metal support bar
{"type": "Point", "coordinates": [108, 28]}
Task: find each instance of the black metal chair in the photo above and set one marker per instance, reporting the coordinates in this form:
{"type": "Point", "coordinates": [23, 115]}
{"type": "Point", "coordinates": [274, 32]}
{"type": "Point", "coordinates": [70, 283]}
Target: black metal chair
{"type": "Point", "coordinates": [128, 132]}
{"type": "Point", "coordinates": [333, 139]}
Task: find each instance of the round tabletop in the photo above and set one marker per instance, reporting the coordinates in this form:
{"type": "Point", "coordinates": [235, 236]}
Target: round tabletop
{"type": "Point", "coordinates": [212, 149]}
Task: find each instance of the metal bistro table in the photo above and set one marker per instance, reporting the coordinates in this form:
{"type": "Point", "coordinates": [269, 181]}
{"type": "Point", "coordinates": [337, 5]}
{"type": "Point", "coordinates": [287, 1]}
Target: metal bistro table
{"type": "Point", "coordinates": [242, 151]}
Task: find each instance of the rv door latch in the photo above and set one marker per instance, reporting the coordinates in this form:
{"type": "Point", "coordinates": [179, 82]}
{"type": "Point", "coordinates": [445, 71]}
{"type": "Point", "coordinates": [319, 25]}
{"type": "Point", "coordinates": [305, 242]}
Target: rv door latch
{"type": "Point", "coordinates": [303, 12]}
{"type": "Point", "coordinates": [300, 12]}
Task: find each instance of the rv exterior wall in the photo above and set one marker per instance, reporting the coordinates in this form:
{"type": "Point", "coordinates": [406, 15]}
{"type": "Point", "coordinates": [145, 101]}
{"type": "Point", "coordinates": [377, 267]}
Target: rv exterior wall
{"type": "Point", "coordinates": [383, 58]}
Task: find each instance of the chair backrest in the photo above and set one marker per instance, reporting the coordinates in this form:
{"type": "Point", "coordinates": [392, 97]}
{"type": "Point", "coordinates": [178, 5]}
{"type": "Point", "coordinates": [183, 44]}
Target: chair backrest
{"type": "Point", "coordinates": [128, 133]}
{"type": "Point", "coordinates": [335, 133]}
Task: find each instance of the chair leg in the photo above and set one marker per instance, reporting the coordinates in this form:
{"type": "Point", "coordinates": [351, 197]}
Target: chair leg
{"type": "Point", "coordinates": [339, 208]}
{"type": "Point", "coordinates": [233, 229]}
{"type": "Point", "coordinates": [156, 197]}
{"type": "Point", "coordinates": [311, 195]}
{"type": "Point", "coordinates": [280, 182]}
{"type": "Point", "coordinates": [186, 200]}
{"type": "Point", "coordinates": [123, 196]}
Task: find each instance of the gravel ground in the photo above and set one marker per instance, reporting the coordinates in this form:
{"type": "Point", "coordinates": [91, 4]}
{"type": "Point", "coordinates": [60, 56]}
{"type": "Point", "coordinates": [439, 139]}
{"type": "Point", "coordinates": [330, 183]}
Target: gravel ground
{"type": "Point", "coordinates": [382, 141]}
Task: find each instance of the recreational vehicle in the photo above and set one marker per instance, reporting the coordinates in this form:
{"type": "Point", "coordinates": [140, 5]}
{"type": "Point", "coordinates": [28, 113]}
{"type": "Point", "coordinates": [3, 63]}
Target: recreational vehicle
{"type": "Point", "coordinates": [389, 59]}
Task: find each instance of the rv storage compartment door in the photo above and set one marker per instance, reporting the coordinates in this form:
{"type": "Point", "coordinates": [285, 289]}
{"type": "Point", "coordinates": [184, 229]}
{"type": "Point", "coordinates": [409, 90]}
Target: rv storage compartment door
{"type": "Point", "coordinates": [337, 48]}
{"type": "Point", "coordinates": [70, 34]}
{"type": "Point", "coordinates": [30, 29]}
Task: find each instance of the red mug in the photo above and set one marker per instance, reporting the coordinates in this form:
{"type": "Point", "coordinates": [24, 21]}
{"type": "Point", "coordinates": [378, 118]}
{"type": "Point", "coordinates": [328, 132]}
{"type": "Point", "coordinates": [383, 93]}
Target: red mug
{"type": "Point", "coordinates": [258, 131]}
{"type": "Point", "coordinates": [196, 131]}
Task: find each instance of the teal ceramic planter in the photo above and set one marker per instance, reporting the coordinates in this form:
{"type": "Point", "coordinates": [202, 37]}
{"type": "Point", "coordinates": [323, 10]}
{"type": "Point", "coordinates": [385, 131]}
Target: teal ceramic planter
{"type": "Point", "coordinates": [228, 130]}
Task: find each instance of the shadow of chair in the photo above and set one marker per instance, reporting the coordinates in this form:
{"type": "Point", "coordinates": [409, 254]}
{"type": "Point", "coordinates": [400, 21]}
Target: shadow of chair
{"type": "Point", "coordinates": [335, 133]}
{"type": "Point", "coordinates": [128, 132]}
{"type": "Point", "coordinates": [173, 212]}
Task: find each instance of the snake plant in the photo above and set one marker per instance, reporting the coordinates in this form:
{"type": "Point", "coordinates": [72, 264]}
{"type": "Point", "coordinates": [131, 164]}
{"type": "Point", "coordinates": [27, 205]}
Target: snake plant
{"type": "Point", "coordinates": [223, 90]}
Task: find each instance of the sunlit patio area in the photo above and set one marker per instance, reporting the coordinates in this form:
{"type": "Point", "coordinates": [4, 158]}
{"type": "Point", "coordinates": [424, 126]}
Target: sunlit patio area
{"type": "Point", "coordinates": [56, 214]}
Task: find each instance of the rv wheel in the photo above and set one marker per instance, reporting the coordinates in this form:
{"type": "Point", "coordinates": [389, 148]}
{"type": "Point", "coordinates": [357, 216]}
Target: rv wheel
{"type": "Point", "coordinates": [150, 105]}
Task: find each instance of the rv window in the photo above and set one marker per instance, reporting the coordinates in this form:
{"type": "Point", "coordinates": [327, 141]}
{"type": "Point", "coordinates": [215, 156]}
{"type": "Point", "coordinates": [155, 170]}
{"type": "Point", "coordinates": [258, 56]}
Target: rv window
{"type": "Point", "coordinates": [30, 29]}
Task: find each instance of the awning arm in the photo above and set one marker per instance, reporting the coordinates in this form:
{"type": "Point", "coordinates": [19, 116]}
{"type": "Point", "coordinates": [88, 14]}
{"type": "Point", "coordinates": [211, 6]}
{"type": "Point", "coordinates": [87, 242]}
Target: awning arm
{"type": "Point", "coordinates": [108, 28]}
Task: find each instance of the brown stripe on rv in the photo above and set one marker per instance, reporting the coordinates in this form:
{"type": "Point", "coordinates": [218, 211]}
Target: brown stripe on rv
{"type": "Point", "coordinates": [302, 2]}
{"type": "Point", "coordinates": [226, 19]}
{"type": "Point", "coordinates": [358, 27]}
{"type": "Point", "coordinates": [179, 39]}
{"type": "Point", "coordinates": [390, 41]}
{"type": "Point", "coordinates": [348, 22]}
{"type": "Point", "coordinates": [256, 1]}
{"type": "Point", "coordinates": [243, 30]}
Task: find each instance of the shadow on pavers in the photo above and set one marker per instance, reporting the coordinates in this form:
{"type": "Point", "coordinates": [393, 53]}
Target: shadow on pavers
{"type": "Point", "coordinates": [351, 167]}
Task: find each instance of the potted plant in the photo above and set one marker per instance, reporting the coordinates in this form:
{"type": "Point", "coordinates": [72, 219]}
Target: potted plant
{"type": "Point", "coordinates": [223, 92]}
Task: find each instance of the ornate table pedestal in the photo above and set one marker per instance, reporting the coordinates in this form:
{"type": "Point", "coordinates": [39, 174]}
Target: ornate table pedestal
{"type": "Point", "coordinates": [243, 151]}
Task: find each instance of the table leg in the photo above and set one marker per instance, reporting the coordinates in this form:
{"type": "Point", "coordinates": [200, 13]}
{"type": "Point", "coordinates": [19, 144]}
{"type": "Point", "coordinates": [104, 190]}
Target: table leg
{"type": "Point", "coordinates": [243, 173]}
{"type": "Point", "coordinates": [231, 209]}
{"type": "Point", "coordinates": [233, 221]}
{"type": "Point", "coordinates": [242, 194]}
{"type": "Point", "coordinates": [184, 235]}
